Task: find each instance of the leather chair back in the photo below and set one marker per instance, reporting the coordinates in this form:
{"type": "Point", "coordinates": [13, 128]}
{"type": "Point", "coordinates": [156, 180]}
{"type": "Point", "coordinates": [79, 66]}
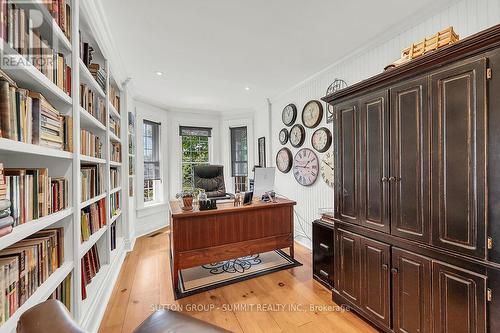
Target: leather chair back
{"type": "Point", "coordinates": [211, 179]}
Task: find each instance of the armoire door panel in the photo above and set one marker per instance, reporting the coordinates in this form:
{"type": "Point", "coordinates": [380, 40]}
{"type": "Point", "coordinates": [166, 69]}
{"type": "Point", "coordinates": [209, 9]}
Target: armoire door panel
{"type": "Point", "coordinates": [409, 142]}
{"type": "Point", "coordinates": [459, 303]}
{"type": "Point", "coordinates": [374, 161]}
{"type": "Point", "coordinates": [375, 280]}
{"type": "Point", "coordinates": [347, 192]}
{"type": "Point", "coordinates": [411, 292]}
{"type": "Point", "coordinates": [458, 160]}
{"type": "Point", "coordinates": [348, 276]}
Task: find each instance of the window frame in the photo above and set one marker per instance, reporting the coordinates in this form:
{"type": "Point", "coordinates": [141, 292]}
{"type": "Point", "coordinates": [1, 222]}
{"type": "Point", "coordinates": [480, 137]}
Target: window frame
{"type": "Point", "coordinates": [192, 162]}
{"type": "Point", "coordinates": [154, 182]}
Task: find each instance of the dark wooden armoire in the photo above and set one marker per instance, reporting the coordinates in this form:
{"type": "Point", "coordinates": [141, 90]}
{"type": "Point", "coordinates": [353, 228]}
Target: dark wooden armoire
{"type": "Point", "coordinates": [417, 195]}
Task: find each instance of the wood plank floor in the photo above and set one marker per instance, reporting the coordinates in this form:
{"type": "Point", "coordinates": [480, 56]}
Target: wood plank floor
{"type": "Point", "coordinates": [144, 282]}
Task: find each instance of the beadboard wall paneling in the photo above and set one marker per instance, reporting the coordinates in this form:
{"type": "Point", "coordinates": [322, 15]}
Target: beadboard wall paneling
{"type": "Point", "coordinates": [466, 16]}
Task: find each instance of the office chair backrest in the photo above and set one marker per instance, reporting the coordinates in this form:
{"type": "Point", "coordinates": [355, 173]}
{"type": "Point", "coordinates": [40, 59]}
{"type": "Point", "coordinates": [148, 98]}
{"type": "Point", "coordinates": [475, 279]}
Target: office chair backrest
{"type": "Point", "coordinates": [211, 179]}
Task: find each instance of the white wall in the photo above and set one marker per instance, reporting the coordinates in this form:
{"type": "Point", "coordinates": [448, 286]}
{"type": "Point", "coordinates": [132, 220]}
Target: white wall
{"type": "Point", "coordinates": [466, 16]}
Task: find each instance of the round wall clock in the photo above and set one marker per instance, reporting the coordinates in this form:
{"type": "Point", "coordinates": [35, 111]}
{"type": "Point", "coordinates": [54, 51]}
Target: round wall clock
{"type": "Point", "coordinates": [327, 168]}
{"type": "Point", "coordinates": [297, 135]}
{"type": "Point", "coordinates": [312, 114]}
{"type": "Point", "coordinates": [305, 167]}
{"type": "Point", "coordinates": [284, 136]}
{"type": "Point", "coordinates": [321, 139]}
{"type": "Point", "coordinates": [289, 114]}
{"type": "Point", "coordinates": [284, 160]}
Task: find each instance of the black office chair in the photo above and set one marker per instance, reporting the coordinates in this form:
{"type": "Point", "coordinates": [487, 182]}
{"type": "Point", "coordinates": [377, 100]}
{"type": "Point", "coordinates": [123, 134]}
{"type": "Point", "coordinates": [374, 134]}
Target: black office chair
{"type": "Point", "coordinates": [211, 179]}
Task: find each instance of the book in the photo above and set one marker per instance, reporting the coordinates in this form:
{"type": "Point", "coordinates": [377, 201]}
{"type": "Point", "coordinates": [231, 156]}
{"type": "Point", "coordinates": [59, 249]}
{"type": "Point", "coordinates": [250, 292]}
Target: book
{"type": "Point", "coordinates": [93, 218]}
{"type": "Point", "coordinates": [115, 153]}
{"type": "Point", "coordinates": [90, 144]}
{"type": "Point", "coordinates": [114, 177]}
{"type": "Point", "coordinates": [92, 181]}
{"type": "Point", "coordinates": [63, 292]}
{"type": "Point", "coordinates": [90, 267]}
{"type": "Point", "coordinates": [114, 203]}
{"type": "Point", "coordinates": [93, 103]}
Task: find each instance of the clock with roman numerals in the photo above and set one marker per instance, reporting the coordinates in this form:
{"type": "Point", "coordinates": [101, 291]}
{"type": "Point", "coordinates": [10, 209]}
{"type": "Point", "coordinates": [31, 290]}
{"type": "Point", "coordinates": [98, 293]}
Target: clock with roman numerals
{"type": "Point", "coordinates": [305, 167]}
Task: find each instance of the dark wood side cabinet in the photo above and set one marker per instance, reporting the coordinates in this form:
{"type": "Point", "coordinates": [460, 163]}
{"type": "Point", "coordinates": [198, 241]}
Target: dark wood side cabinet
{"type": "Point", "coordinates": [323, 246]}
{"type": "Point", "coordinates": [416, 219]}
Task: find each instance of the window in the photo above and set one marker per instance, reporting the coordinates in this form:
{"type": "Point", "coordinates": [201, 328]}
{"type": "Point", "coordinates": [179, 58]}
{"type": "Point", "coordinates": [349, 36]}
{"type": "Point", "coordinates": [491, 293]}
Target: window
{"type": "Point", "coordinates": [151, 144]}
{"type": "Point", "coordinates": [239, 158]}
{"type": "Point", "coordinates": [195, 150]}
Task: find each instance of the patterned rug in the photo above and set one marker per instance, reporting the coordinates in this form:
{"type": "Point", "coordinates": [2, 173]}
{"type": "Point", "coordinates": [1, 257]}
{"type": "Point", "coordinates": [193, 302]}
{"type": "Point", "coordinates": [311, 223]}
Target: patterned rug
{"type": "Point", "coordinates": [215, 275]}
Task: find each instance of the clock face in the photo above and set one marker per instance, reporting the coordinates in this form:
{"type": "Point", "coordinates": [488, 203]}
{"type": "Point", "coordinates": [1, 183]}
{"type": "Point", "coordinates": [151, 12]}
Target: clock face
{"type": "Point", "coordinates": [284, 160]}
{"type": "Point", "coordinates": [312, 114]}
{"type": "Point", "coordinates": [283, 136]}
{"type": "Point", "coordinates": [297, 135]}
{"type": "Point", "coordinates": [289, 114]}
{"type": "Point", "coordinates": [329, 113]}
{"type": "Point", "coordinates": [327, 168]}
{"type": "Point", "coordinates": [305, 167]}
{"type": "Point", "coordinates": [321, 139]}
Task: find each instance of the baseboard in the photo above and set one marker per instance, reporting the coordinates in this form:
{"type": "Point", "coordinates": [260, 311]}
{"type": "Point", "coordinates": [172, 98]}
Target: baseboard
{"type": "Point", "coordinates": [305, 242]}
{"type": "Point", "coordinates": [147, 229]}
{"type": "Point", "coordinates": [94, 316]}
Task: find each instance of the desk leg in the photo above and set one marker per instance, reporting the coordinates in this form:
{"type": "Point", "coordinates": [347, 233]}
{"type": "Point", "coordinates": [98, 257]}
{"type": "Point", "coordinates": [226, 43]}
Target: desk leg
{"type": "Point", "coordinates": [292, 251]}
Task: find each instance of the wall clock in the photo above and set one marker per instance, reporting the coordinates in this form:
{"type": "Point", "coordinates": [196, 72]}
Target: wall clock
{"type": "Point", "coordinates": [336, 85]}
{"type": "Point", "coordinates": [321, 139]}
{"type": "Point", "coordinates": [284, 160]}
{"type": "Point", "coordinates": [327, 168]}
{"type": "Point", "coordinates": [284, 136]}
{"type": "Point", "coordinates": [312, 114]}
{"type": "Point", "coordinates": [297, 135]}
{"type": "Point", "coordinates": [305, 167]}
{"type": "Point", "coordinates": [289, 114]}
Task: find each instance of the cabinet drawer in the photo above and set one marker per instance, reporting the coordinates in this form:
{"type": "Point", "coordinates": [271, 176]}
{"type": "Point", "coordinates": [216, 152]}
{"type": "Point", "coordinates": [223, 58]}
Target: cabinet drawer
{"type": "Point", "coordinates": [323, 259]}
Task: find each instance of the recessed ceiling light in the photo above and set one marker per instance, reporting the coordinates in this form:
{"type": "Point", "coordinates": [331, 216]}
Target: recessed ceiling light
{"type": "Point", "coordinates": [247, 88]}
{"type": "Point", "coordinates": [159, 73]}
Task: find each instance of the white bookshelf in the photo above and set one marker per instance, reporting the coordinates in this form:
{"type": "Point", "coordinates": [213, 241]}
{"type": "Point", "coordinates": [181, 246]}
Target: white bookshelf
{"type": "Point", "coordinates": [87, 312]}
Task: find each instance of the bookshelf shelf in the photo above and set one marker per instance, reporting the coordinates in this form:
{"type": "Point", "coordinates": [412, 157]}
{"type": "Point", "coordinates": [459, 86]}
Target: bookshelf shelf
{"type": "Point", "coordinates": [15, 147]}
{"type": "Point", "coordinates": [94, 238]}
{"type": "Point", "coordinates": [113, 111]}
{"type": "Point", "coordinates": [40, 295]}
{"type": "Point", "coordinates": [28, 76]}
{"type": "Point", "coordinates": [90, 159]}
{"type": "Point", "coordinates": [91, 201]}
{"type": "Point", "coordinates": [89, 122]}
{"type": "Point", "coordinates": [49, 26]}
{"type": "Point", "coordinates": [116, 189]}
{"type": "Point", "coordinates": [115, 217]}
{"type": "Point", "coordinates": [114, 138]}
{"type": "Point", "coordinates": [115, 164]}
{"type": "Point", "coordinates": [88, 79]}
{"type": "Point", "coordinates": [24, 230]}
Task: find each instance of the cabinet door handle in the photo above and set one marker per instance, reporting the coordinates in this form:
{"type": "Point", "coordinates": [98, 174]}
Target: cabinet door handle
{"type": "Point", "coordinates": [385, 267]}
{"type": "Point", "coordinates": [325, 274]}
{"type": "Point", "coordinates": [391, 179]}
{"type": "Point", "coordinates": [326, 247]}
{"type": "Point", "coordinates": [385, 179]}
{"type": "Point", "coordinates": [394, 271]}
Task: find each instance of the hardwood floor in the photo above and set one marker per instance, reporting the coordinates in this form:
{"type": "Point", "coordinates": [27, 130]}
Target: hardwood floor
{"type": "Point", "coordinates": [145, 281]}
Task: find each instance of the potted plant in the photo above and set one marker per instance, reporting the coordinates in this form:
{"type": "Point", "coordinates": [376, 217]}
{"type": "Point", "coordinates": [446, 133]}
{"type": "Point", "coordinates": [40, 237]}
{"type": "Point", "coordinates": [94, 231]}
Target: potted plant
{"type": "Point", "coordinates": [186, 200]}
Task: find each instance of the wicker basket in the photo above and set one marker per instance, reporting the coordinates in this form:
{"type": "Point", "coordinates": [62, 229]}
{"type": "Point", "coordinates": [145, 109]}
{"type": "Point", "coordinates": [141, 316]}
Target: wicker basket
{"type": "Point", "coordinates": [442, 38]}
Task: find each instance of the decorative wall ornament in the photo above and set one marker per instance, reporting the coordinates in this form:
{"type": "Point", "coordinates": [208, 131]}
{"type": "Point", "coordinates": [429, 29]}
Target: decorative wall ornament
{"type": "Point", "coordinates": [262, 151]}
{"type": "Point", "coordinates": [336, 85]}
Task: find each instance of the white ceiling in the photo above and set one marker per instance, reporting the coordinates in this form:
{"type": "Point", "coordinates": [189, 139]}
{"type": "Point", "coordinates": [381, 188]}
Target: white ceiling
{"type": "Point", "coordinates": [210, 50]}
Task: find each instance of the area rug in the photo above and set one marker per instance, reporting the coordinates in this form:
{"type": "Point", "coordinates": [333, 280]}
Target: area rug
{"type": "Point", "coordinates": [215, 275]}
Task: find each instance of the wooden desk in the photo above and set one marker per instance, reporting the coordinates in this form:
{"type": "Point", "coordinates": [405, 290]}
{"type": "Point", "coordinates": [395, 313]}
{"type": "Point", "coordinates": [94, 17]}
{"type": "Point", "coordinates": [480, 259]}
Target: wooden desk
{"type": "Point", "coordinates": [202, 237]}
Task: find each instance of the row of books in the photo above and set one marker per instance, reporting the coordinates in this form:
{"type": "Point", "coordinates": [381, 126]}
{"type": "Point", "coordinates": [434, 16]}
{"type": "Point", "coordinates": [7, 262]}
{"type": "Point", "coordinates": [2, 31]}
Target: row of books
{"type": "Point", "coordinates": [115, 154]}
{"type": "Point", "coordinates": [63, 292]}
{"type": "Point", "coordinates": [92, 180]}
{"type": "Point", "coordinates": [27, 264]}
{"type": "Point", "coordinates": [93, 218]}
{"type": "Point", "coordinates": [6, 220]}
{"type": "Point", "coordinates": [114, 177]}
{"type": "Point", "coordinates": [99, 75]}
{"type": "Point", "coordinates": [17, 30]}
{"type": "Point", "coordinates": [113, 236]}
{"type": "Point", "coordinates": [34, 194]}
{"type": "Point", "coordinates": [114, 126]}
{"type": "Point", "coordinates": [93, 103]}
{"type": "Point", "coordinates": [114, 98]}
{"type": "Point", "coordinates": [61, 12]}
{"type": "Point", "coordinates": [114, 203]}
{"type": "Point", "coordinates": [28, 117]}
{"type": "Point", "coordinates": [90, 144]}
{"type": "Point", "coordinates": [90, 267]}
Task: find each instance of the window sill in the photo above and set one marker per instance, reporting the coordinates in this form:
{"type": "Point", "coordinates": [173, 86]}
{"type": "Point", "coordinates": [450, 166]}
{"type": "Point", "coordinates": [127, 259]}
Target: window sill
{"type": "Point", "coordinates": [150, 209]}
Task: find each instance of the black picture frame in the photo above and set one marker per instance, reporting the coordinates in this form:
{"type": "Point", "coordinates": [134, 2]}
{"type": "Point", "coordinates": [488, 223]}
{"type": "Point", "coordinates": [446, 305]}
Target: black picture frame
{"type": "Point", "coordinates": [261, 144]}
